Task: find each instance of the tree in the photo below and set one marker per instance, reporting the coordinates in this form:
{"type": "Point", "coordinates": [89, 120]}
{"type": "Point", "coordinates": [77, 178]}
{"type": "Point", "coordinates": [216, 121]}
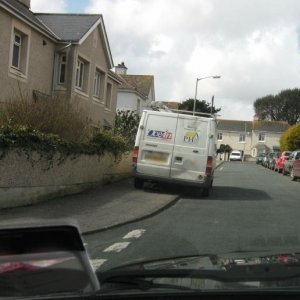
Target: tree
{"type": "Point", "coordinates": [224, 148]}
{"type": "Point", "coordinates": [284, 106]}
{"type": "Point", "coordinates": [201, 106]}
{"type": "Point", "coordinates": [290, 140]}
{"type": "Point", "coordinates": [126, 124]}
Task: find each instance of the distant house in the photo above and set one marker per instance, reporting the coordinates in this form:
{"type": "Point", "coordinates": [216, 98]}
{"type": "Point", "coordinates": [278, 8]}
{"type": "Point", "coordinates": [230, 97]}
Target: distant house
{"type": "Point", "coordinates": [65, 54]}
{"type": "Point", "coordinates": [251, 137]}
{"type": "Point", "coordinates": [136, 91]}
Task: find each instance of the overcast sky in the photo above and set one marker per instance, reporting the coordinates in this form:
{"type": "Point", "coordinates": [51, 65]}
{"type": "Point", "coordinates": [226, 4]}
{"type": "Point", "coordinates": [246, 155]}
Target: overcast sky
{"type": "Point", "coordinates": [252, 44]}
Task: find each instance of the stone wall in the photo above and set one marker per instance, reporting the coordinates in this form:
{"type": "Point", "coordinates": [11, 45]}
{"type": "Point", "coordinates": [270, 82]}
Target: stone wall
{"type": "Point", "coordinates": [26, 180]}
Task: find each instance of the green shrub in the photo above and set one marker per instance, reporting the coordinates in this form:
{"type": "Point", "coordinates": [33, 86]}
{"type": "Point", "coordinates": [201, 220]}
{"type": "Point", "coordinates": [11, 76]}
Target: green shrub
{"type": "Point", "coordinates": [14, 136]}
{"type": "Point", "coordinates": [126, 124]}
{"type": "Point", "coordinates": [110, 141]}
{"type": "Point", "coordinates": [290, 140]}
{"type": "Point", "coordinates": [51, 116]}
{"type": "Point", "coordinates": [52, 126]}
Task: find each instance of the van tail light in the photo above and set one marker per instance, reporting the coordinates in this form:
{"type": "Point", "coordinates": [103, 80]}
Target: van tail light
{"type": "Point", "coordinates": [209, 165]}
{"type": "Point", "coordinates": [135, 155]}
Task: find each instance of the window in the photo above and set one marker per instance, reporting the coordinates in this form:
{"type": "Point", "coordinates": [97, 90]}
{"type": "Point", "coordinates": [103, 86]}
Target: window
{"type": "Point", "coordinates": [62, 69]}
{"type": "Point", "coordinates": [99, 80]}
{"type": "Point", "coordinates": [82, 74]}
{"type": "Point", "coordinates": [19, 53]}
{"type": "Point", "coordinates": [261, 137]}
{"type": "Point", "coordinates": [108, 95]}
{"type": "Point", "coordinates": [79, 74]}
{"type": "Point", "coordinates": [242, 138]}
{"type": "Point", "coordinates": [16, 57]}
{"type": "Point", "coordinates": [220, 136]}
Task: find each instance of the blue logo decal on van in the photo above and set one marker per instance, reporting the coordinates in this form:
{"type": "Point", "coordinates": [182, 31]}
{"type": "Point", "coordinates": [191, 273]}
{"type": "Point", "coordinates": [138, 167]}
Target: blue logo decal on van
{"type": "Point", "coordinates": [165, 135]}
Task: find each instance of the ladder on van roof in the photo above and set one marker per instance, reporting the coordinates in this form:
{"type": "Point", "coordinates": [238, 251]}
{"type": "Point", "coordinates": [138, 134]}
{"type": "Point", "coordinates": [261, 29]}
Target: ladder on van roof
{"type": "Point", "coordinates": [159, 106]}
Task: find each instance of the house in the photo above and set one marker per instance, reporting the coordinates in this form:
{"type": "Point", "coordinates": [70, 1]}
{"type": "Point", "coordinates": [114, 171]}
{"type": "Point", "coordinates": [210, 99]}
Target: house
{"type": "Point", "coordinates": [57, 54]}
{"type": "Point", "coordinates": [251, 137]}
{"type": "Point", "coordinates": [136, 91]}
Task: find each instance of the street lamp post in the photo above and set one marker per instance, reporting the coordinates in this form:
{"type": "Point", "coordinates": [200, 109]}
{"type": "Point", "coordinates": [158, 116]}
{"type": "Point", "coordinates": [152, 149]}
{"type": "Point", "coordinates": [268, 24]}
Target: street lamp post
{"type": "Point", "coordinates": [197, 80]}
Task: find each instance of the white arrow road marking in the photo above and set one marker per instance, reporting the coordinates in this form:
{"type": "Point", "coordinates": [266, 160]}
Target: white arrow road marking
{"type": "Point", "coordinates": [117, 247]}
{"type": "Point", "coordinates": [97, 263]}
{"type": "Point", "coordinates": [134, 234]}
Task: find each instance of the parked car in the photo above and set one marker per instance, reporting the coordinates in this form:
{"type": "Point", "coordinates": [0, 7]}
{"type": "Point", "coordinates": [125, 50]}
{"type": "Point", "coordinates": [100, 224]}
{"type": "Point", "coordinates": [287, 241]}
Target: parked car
{"type": "Point", "coordinates": [289, 167]}
{"type": "Point", "coordinates": [268, 159]}
{"type": "Point", "coordinates": [259, 158]}
{"type": "Point", "coordinates": [265, 160]}
{"type": "Point", "coordinates": [281, 160]}
{"type": "Point", "coordinates": [272, 160]}
{"type": "Point", "coordinates": [295, 171]}
{"type": "Point", "coordinates": [235, 155]}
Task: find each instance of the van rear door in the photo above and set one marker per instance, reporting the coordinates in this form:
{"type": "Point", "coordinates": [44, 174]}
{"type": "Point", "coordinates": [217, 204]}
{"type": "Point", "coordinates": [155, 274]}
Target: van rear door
{"type": "Point", "coordinates": [156, 144]}
{"type": "Point", "coordinates": [190, 148]}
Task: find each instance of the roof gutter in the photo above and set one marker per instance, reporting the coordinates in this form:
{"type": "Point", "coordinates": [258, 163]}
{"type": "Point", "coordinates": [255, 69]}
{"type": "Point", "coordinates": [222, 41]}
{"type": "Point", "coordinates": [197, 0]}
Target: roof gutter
{"type": "Point", "coordinates": [64, 47]}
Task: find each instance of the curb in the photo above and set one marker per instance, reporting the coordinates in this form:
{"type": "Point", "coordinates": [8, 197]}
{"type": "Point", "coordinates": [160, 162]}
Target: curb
{"type": "Point", "coordinates": [149, 215]}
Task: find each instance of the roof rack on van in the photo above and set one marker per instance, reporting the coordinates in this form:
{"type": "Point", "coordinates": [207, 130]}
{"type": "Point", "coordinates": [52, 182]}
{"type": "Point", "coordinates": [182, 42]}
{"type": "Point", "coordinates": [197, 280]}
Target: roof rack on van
{"type": "Point", "coordinates": [188, 112]}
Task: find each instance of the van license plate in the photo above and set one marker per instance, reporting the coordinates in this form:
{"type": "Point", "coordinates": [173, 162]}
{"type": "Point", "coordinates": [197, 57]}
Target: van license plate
{"type": "Point", "coordinates": [156, 156]}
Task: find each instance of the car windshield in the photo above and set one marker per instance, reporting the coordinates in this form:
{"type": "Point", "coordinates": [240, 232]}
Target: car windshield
{"type": "Point", "coordinates": [167, 131]}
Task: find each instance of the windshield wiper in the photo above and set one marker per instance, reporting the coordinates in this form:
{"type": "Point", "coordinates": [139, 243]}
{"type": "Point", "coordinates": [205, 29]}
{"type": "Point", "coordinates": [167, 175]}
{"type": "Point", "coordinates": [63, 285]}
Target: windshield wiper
{"type": "Point", "coordinates": [235, 273]}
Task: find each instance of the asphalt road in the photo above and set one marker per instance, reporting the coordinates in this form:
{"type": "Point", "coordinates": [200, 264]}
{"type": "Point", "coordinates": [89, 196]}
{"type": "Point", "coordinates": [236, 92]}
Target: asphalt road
{"type": "Point", "coordinates": [250, 209]}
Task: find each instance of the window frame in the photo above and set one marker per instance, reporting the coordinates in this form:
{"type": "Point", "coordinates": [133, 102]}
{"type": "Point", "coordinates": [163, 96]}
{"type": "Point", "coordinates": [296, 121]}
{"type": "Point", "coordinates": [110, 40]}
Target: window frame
{"type": "Point", "coordinates": [62, 63]}
{"type": "Point", "coordinates": [218, 136]}
{"type": "Point", "coordinates": [97, 84]}
{"type": "Point", "coordinates": [19, 70]}
{"type": "Point", "coordinates": [242, 138]}
{"type": "Point", "coordinates": [108, 96]}
{"type": "Point", "coordinates": [19, 45]}
{"type": "Point", "coordinates": [259, 137]}
{"type": "Point", "coordinates": [79, 76]}
{"type": "Point", "coordinates": [101, 83]}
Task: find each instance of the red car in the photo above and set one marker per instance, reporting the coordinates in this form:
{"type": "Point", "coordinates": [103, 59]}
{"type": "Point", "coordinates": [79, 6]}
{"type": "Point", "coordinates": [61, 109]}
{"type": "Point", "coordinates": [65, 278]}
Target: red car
{"type": "Point", "coordinates": [279, 163]}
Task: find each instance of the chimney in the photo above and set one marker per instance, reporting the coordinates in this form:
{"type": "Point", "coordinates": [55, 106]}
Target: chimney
{"type": "Point", "coordinates": [25, 3]}
{"type": "Point", "coordinates": [121, 69]}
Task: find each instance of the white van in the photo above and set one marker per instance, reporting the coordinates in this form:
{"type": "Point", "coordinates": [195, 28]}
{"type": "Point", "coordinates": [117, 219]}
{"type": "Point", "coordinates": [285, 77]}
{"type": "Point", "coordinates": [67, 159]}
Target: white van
{"type": "Point", "coordinates": [175, 147]}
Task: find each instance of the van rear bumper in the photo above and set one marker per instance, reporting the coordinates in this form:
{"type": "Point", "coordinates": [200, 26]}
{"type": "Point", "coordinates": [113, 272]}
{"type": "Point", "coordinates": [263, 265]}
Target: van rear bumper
{"type": "Point", "coordinates": [202, 184]}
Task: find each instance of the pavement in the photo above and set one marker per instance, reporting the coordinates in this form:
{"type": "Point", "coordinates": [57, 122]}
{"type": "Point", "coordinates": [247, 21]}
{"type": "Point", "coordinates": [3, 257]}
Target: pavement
{"type": "Point", "coordinates": [97, 209]}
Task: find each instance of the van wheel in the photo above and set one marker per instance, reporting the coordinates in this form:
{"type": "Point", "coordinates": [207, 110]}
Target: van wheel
{"type": "Point", "coordinates": [138, 183]}
{"type": "Point", "coordinates": [205, 192]}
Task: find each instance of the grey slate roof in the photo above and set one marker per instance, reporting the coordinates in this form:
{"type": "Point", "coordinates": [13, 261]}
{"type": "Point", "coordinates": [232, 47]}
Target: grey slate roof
{"type": "Point", "coordinates": [69, 27]}
{"type": "Point", "coordinates": [22, 11]}
{"type": "Point", "coordinates": [233, 125]}
{"type": "Point", "coordinates": [262, 126]}
{"type": "Point", "coordinates": [270, 126]}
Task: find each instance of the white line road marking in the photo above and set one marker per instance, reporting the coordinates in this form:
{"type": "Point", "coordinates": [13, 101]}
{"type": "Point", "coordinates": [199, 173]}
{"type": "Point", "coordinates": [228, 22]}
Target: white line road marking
{"type": "Point", "coordinates": [134, 234]}
{"type": "Point", "coordinates": [221, 168]}
{"type": "Point", "coordinates": [117, 247]}
{"type": "Point", "coordinates": [97, 263]}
